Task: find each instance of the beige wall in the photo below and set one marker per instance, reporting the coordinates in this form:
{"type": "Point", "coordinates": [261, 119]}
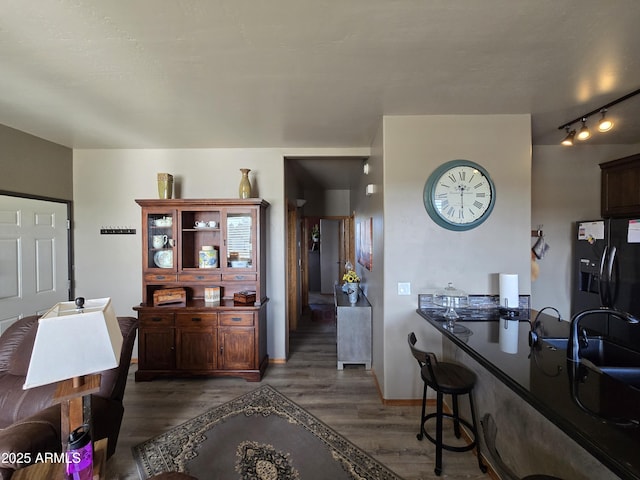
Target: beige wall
{"type": "Point", "coordinates": [33, 166]}
{"type": "Point", "coordinates": [565, 188]}
{"type": "Point", "coordinates": [418, 251]}
{"type": "Point", "coordinates": [372, 207]}
{"type": "Point", "coordinates": [107, 182]}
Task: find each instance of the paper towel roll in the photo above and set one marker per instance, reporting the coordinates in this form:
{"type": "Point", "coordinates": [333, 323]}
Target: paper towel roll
{"type": "Point", "coordinates": [508, 337]}
{"type": "Point", "coordinates": [509, 290]}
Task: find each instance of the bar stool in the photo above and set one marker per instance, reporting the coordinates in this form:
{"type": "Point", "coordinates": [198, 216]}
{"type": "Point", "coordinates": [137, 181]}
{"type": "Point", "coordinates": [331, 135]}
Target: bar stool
{"type": "Point", "coordinates": [490, 432]}
{"type": "Point", "coordinates": [450, 379]}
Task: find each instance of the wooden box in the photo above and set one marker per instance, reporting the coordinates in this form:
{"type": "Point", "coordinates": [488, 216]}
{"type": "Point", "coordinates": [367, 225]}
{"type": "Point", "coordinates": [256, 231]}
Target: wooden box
{"type": "Point", "coordinates": [245, 297]}
{"type": "Point", "coordinates": [212, 295]}
{"type": "Point", "coordinates": [166, 296]}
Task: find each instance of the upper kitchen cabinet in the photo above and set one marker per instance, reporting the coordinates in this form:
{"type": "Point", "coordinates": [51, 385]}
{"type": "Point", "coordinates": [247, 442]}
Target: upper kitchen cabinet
{"type": "Point", "coordinates": [621, 187]}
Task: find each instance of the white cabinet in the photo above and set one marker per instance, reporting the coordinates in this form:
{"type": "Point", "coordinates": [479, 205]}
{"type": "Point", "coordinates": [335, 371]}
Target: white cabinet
{"type": "Point", "coordinates": [353, 330]}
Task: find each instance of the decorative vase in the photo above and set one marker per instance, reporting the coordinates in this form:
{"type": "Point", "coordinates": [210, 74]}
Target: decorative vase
{"type": "Point", "coordinates": [165, 185]}
{"type": "Point", "coordinates": [352, 292]}
{"type": "Point", "coordinates": [244, 191]}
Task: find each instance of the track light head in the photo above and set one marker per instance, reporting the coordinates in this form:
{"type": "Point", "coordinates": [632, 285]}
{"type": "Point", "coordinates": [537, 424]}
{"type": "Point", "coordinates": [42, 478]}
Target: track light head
{"type": "Point", "coordinates": [568, 140]}
{"type": "Point", "coordinates": [605, 124]}
{"type": "Point", "coordinates": [584, 132]}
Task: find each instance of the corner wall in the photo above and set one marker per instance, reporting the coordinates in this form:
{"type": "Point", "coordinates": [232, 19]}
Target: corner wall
{"type": "Point", "coordinates": [33, 166]}
{"type": "Point", "coordinates": [418, 251]}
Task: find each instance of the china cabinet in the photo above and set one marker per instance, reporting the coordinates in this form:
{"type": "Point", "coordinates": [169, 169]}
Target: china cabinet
{"type": "Point", "coordinates": [620, 187]}
{"type": "Point", "coordinates": [189, 246]}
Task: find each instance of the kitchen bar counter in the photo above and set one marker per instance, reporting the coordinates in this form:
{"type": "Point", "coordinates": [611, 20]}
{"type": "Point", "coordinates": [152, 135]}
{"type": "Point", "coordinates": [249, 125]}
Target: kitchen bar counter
{"type": "Point", "coordinates": [596, 411]}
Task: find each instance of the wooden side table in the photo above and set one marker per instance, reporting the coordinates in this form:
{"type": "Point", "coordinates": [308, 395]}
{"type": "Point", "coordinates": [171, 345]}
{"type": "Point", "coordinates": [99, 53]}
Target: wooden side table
{"type": "Point", "coordinates": [55, 471]}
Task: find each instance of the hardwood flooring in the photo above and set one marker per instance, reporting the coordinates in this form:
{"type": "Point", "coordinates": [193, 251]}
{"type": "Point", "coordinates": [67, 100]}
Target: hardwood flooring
{"type": "Point", "coordinates": [346, 400]}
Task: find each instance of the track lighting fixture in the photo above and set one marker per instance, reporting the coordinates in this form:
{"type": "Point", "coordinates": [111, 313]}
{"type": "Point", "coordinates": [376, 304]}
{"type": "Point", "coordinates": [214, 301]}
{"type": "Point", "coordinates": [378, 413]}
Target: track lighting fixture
{"type": "Point", "coordinates": [604, 125]}
{"type": "Point", "coordinates": [568, 140]}
{"type": "Point", "coordinates": [584, 132]}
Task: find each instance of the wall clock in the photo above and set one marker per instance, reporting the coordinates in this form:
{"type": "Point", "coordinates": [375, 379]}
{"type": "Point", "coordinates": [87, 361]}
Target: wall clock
{"type": "Point", "coordinates": [459, 195]}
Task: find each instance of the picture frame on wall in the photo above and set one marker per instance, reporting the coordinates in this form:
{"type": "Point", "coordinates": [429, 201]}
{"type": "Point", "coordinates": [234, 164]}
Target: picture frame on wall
{"type": "Point", "coordinates": [364, 243]}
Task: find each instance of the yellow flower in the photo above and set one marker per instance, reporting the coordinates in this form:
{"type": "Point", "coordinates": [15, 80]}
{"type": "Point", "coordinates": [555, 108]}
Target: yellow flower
{"type": "Point", "coordinates": [351, 277]}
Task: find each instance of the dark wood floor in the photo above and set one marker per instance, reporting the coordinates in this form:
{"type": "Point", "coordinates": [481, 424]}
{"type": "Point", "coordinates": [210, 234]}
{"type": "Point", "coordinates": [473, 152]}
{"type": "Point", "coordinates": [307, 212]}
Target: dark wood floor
{"type": "Point", "coordinates": [346, 400]}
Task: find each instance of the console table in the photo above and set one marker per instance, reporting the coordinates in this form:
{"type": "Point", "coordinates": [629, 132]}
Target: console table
{"type": "Point", "coordinates": [353, 329]}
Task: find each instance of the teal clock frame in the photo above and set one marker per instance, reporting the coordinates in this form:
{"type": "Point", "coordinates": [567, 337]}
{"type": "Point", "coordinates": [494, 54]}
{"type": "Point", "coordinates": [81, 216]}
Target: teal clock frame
{"type": "Point", "coordinates": [429, 189]}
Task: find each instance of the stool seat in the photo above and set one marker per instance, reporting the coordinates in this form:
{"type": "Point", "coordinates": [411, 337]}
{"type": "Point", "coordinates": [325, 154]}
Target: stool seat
{"type": "Point", "coordinates": [449, 378]}
{"type": "Point", "coordinates": [446, 379]}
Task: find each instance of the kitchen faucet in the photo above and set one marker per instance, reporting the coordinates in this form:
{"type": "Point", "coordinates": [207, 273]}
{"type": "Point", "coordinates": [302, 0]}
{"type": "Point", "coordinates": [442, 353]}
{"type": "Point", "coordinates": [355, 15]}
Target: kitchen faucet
{"type": "Point", "coordinates": [573, 346]}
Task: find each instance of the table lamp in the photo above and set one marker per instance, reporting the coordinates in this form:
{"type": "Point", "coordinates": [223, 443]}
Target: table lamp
{"type": "Point", "coordinates": [74, 340]}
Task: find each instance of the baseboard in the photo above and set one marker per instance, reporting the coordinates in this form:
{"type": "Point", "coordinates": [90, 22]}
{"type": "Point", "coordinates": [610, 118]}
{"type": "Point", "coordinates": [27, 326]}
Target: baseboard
{"type": "Point", "coordinates": [278, 361]}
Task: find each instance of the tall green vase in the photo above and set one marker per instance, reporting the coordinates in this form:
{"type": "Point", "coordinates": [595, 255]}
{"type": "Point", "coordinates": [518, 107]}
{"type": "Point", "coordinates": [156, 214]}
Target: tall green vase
{"type": "Point", "coordinates": [244, 191]}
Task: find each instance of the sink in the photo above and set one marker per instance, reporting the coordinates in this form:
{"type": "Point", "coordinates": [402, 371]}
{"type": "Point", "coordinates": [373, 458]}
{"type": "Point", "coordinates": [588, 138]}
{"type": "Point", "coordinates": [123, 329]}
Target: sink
{"type": "Point", "coordinates": [627, 375]}
{"type": "Point", "coordinates": [601, 352]}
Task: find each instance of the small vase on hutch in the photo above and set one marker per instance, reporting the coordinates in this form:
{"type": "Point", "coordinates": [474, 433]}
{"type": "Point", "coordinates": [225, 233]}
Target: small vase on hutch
{"type": "Point", "coordinates": [165, 185]}
{"type": "Point", "coordinates": [244, 190]}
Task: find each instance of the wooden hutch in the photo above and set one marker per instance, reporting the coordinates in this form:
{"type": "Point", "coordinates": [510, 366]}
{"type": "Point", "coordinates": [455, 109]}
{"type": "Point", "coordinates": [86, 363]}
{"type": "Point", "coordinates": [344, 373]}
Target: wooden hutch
{"type": "Point", "coordinates": [182, 334]}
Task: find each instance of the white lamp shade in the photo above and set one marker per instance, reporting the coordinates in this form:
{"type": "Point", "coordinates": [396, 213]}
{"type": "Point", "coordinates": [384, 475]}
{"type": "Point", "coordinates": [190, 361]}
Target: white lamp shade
{"type": "Point", "coordinates": [72, 342]}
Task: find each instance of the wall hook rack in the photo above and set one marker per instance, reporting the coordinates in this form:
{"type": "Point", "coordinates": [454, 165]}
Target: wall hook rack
{"type": "Point", "coordinates": [538, 232]}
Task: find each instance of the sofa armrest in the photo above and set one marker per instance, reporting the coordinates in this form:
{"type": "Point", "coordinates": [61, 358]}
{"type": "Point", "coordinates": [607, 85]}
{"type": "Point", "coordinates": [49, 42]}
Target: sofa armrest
{"type": "Point", "coordinates": [114, 380]}
{"type": "Point", "coordinates": [28, 438]}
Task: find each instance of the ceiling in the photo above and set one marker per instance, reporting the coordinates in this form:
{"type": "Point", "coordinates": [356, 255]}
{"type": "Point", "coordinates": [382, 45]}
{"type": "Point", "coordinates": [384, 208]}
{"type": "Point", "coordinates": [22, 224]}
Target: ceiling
{"type": "Point", "coordinates": [301, 73]}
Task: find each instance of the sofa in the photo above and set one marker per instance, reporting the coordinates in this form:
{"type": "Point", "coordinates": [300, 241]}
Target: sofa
{"type": "Point", "coordinates": [29, 419]}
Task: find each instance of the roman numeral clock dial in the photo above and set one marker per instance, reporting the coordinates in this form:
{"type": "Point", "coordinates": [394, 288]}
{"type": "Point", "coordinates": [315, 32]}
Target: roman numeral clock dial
{"type": "Point", "coordinates": [459, 195]}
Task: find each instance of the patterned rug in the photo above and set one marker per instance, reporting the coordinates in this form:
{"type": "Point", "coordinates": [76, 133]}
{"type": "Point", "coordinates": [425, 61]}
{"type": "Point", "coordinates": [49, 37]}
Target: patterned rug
{"type": "Point", "coordinates": [261, 435]}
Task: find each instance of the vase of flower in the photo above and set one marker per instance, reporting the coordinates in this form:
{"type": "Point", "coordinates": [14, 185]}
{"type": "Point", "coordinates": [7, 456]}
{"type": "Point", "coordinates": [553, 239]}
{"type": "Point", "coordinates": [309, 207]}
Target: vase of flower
{"type": "Point", "coordinates": [351, 286]}
{"type": "Point", "coordinates": [353, 292]}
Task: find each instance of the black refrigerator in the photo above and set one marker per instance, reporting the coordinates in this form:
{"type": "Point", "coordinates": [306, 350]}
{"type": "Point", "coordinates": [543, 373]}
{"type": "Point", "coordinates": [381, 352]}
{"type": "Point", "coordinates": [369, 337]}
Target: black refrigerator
{"type": "Point", "coordinates": [606, 259]}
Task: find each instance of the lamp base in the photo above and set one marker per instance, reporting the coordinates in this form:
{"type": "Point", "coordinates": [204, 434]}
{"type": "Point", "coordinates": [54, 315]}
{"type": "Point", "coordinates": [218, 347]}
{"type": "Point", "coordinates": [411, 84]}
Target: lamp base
{"type": "Point", "coordinates": [70, 395]}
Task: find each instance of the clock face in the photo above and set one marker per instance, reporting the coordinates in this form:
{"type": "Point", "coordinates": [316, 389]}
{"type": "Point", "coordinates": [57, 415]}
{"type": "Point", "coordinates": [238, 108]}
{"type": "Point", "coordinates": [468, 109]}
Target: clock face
{"type": "Point", "coordinates": [459, 195]}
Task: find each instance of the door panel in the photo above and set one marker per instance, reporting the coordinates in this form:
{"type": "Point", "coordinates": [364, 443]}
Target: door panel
{"type": "Point", "coordinates": [329, 254]}
{"type": "Point", "coordinates": [34, 252]}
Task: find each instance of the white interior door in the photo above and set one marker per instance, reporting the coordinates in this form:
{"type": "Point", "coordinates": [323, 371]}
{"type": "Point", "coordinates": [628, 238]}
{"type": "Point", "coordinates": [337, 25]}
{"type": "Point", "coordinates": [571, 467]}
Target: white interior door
{"type": "Point", "coordinates": [329, 254]}
{"type": "Point", "coordinates": [34, 252]}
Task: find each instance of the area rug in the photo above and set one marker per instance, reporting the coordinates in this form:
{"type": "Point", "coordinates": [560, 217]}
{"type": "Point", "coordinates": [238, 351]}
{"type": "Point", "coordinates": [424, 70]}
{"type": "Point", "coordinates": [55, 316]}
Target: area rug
{"type": "Point", "coordinates": [261, 435]}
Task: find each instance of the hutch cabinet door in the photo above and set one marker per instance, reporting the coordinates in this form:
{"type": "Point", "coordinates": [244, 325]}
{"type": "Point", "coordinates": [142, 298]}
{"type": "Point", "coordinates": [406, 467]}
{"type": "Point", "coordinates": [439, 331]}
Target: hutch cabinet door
{"type": "Point", "coordinates": [157, 348]}
{"type": "Point", "coordinates": [196, 341]}
{"type": "Point", "coordinates": [158, 240]}
{"type": "Point", "coordinates": [240, 240]}
{"type": "Point", "coordinates": [196, 348]}
{"type": "Point", "coordinates": [237, 348]}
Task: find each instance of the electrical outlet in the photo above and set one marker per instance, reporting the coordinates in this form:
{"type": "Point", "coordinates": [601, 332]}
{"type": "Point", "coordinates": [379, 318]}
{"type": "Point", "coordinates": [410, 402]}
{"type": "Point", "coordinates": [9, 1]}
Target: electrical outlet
{"type": "Point", "coordinates": [404, 288]}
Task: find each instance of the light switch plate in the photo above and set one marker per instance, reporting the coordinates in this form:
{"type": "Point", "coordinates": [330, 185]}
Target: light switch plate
{"type": "Point", "coordinates": [404, 288]}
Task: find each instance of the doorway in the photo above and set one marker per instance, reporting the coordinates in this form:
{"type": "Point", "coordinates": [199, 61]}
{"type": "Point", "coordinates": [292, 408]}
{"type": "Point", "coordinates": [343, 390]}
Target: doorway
{"type": "Point", "coordinates": [34, 256]}
{"type": "Point", "coordinates": [325, 256]}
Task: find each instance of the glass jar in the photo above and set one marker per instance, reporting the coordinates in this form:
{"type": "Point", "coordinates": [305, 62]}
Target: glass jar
{"type": "Point", "coordinates": [208, 257]}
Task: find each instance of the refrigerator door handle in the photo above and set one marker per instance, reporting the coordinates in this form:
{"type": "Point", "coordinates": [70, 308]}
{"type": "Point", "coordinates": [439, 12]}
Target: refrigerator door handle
{"type": "Point", "coordinates": [610, 279]}
{"type": "Point", "coordinates": [602, 279]}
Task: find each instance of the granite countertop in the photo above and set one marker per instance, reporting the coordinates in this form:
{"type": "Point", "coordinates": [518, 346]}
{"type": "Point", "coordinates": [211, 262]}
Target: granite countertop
{"type": "Point", "coordinates": [608, 422]}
